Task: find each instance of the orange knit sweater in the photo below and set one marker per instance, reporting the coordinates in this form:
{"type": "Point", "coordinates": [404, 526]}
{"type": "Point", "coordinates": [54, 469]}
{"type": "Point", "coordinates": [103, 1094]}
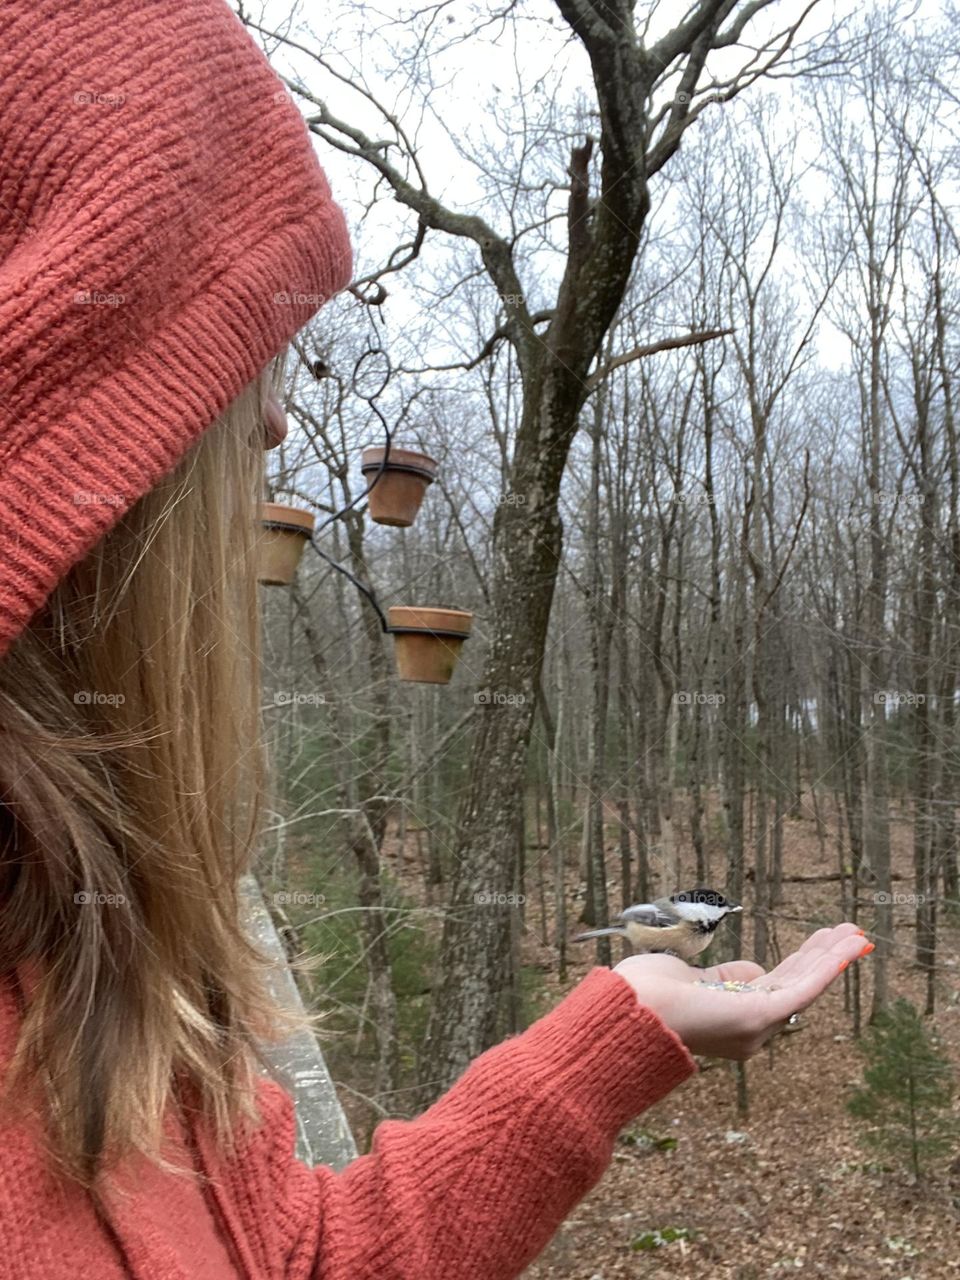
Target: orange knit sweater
{"type": "Point", "coordinates": [470, 1190]}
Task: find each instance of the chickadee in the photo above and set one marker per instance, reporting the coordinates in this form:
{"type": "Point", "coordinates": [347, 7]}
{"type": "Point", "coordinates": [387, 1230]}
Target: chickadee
{"type": "Point", "coordinates": [681, 925]}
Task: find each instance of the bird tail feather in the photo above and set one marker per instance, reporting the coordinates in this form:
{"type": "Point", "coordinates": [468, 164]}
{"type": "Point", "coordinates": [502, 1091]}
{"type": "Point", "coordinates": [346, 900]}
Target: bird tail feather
{"type": "Point", "coordinates": [598, 933]}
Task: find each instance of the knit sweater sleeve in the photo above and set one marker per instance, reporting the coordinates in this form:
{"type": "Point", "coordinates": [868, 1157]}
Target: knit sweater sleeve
{"type": "Point", "coordinates": [475, 1186]}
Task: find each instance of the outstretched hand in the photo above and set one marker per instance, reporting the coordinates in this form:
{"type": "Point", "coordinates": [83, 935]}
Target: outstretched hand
{"type": "Point", "coordinates": [736, 1024]}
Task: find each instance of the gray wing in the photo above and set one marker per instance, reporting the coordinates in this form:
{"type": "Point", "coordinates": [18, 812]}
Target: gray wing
{"type": "Point", "coordinates": [649, 913]}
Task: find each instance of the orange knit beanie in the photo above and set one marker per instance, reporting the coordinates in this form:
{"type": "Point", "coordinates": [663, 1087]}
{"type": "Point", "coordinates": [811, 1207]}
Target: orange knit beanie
{"type": "Point", "coordinates": [165, 229]}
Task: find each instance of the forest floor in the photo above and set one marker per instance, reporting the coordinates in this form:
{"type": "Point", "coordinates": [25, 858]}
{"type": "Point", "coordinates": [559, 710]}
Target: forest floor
{"type": "Point", "coordinates": [788, 1188]}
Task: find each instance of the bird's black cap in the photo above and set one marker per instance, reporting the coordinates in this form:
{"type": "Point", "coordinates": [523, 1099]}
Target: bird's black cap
{"type": "Point", "coordinates": [709, 897]}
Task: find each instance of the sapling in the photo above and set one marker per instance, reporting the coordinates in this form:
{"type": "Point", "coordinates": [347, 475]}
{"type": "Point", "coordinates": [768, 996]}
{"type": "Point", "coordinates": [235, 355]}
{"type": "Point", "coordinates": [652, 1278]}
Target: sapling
{"type": "Point", "coordinates": [907, 1089]}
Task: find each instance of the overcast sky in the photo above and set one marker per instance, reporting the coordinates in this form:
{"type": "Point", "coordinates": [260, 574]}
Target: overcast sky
{"type": "Point", "coordinates": [472, 101]}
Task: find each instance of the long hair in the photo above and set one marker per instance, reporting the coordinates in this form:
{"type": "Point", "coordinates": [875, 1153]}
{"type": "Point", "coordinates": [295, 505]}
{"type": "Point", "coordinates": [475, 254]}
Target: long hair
{"type": "Point", "coordinates": [131, 772]}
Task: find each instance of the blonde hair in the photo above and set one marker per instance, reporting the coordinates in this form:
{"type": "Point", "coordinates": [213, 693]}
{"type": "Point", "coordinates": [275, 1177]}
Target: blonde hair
{"type": "Point", "coordinates": [131, 772]}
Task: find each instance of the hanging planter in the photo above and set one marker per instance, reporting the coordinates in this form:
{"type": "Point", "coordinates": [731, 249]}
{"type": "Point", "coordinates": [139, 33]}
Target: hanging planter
{"type": "Point", "coordinates": [284, 532]}
{"type": "Point", "coordinates": [427, 642]}
{"type": "Point", "coordinates": [397, 493]}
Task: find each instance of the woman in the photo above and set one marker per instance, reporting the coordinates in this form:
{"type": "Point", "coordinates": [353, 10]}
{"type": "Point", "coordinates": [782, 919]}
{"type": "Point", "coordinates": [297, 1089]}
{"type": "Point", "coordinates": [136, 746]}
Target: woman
{"type": "Point", "coordinates": [165, 232]}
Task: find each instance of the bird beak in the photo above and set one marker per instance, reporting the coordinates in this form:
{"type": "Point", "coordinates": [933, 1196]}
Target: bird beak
{"type": "Point", "coordinates": [736, 908]}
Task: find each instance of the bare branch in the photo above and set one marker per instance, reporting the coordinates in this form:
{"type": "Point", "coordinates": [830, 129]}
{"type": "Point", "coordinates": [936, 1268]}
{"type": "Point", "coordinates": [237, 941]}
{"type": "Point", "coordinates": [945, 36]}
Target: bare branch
{"type": "Point", "coordinates": [538, 317]}
{"type": "Point", "coordinates": [652, 349]}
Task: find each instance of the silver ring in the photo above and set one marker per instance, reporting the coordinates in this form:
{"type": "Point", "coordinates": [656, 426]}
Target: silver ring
{"type": "Point", "coordinates": [793, 1019]}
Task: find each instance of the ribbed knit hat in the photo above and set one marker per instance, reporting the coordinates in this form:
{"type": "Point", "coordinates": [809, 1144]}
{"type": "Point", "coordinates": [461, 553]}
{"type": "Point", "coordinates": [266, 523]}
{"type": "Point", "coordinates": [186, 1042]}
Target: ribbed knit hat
{"type": "Point", "coordinates": [165, 229]}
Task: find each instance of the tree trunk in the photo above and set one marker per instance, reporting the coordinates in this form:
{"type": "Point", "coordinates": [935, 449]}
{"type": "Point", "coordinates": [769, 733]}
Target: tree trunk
{"type": "Point", "coordinates": [368, 833]}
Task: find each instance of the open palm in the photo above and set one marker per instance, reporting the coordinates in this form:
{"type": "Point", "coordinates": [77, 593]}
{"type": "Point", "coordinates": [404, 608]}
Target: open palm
{"type": "Point", "coordinates": [735, 1024]}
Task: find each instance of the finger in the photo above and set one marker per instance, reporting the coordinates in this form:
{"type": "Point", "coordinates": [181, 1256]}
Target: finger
{"type": "Point", "coordinates": [820, 940]}
{"type": "Point", "coordinates": [807, 986]}
{"type": "Point", "coordinates": [734, 971]}
{"type": "Point", "coordinates": [824, 939]}
{"type": "Point", "coordinates": [835, 949]}
{"type": "Point", "coordinates": [814, 971]}
{"type": "Point", "coordinates": [818, 943]}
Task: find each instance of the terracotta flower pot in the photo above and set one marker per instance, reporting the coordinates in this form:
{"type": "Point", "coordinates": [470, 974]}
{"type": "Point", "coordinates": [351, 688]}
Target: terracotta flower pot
{"type": "Point", "coordinates": [397, 494]}
{"type": "Point", "coordinates": [427, 642]}
{"type": "Point", "coordinates": [284, 532]}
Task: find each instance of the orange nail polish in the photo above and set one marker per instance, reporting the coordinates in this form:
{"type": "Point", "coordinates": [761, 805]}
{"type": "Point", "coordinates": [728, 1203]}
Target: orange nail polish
{"type": "Point", "coordinates": [843, 966]}
{"type": "Point", "coordinates": [862, 932]}
{"type": "Point", "coordinates": [866, 950]}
